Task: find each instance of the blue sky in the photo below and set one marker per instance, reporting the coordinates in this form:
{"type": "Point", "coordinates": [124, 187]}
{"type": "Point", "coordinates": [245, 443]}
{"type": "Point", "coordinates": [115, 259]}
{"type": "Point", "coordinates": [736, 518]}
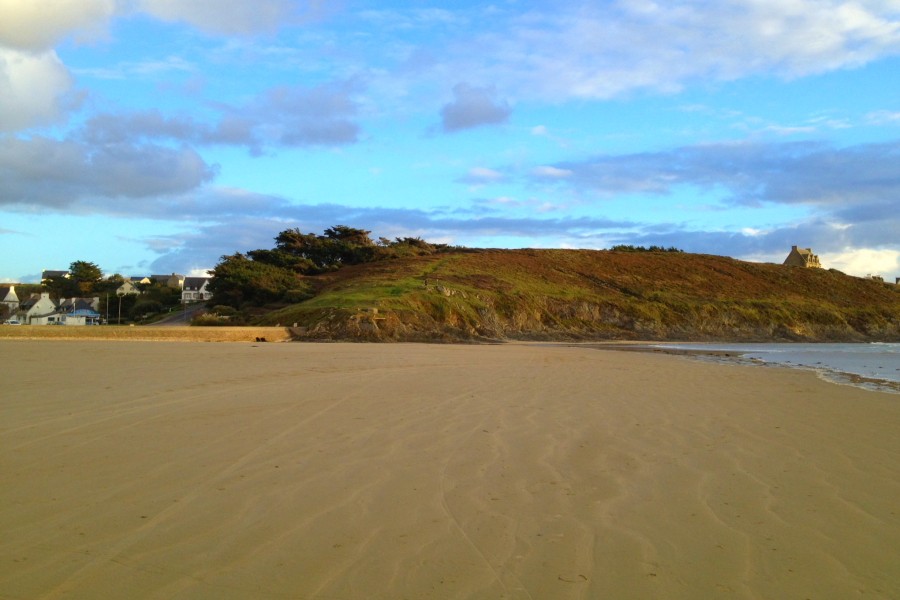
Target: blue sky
{"type": "Point", "coordinates": [154, 136]}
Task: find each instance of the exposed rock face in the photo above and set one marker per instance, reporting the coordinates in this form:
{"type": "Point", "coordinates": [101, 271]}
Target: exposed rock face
{"type": "Point", "coordinates": [583, 321]}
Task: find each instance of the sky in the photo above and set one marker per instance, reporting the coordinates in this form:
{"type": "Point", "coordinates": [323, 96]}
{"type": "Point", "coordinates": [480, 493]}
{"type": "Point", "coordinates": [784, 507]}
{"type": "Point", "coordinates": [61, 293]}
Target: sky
{"type": "Point", "coordinates": [156, 136]}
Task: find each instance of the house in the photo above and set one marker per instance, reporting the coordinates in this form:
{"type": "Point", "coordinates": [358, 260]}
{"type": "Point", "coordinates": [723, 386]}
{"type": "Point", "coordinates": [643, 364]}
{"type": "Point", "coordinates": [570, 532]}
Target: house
{"type": "Point", "coordinates": [9, 299]}
{"type": "Point", "coordinates": [140, 279]}
{"type": "Point", "coordinates": [70, 305]}
{"type": "Point", "coordinates": [195, 289]}
{"type": "Point", "coordinates": [81, 316]}
{"type": "Point", "coordinates": [127, 289]}
{"type": "Point", "coordinates": [802, 257]}
{"type": "Point", "coordinates": [38, 309]}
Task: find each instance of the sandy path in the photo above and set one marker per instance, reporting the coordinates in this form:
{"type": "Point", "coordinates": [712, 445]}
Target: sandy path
{"type": "Point", "coordinates": [341, 471]}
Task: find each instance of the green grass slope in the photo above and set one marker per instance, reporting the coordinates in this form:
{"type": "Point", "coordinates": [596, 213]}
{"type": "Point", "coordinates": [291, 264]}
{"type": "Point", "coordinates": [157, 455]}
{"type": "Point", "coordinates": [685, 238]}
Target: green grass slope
{"type": "Point", "coordinates": [588, 295]}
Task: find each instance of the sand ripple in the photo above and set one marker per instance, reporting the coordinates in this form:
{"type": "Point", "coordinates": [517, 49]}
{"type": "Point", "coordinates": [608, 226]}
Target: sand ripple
{"type": "Point", "coordinates": [336, 471]}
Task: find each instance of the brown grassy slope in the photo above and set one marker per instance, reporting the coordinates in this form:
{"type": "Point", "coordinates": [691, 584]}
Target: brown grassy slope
{"type": "Point", "coordinates": [582, 294]}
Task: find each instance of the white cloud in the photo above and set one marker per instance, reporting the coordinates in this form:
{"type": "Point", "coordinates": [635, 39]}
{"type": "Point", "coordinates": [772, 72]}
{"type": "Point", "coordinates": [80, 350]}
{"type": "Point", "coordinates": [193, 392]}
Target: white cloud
{"type": "Point", "coordinates": [33, 81]}
{"type": "Point", "coordinates": [549, 172]}
{"type": "Point", "coordinates": [605, 50]}
{"type": "Point", "coordinates": [883, 117]}
{"type": "Point", "coordinates": [234, 16]}
{"type": "Point", "coordinates": [864, 261]}
{"type": "Point", "coordinates": [483, 175]}
{"type": "Point", "coordinates": [33, 87]}
{"type": "Point", "coordinates": [37, 25]}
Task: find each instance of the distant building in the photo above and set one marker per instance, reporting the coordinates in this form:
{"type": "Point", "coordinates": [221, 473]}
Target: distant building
{"type": "Point", "coordinates": [80, 311]}
{"type": "Point", "coordinates": [40, 309]}
{"type": "Point", "coordinates": [127, 288]}
{"type": "Point", "coordinates": [9, 298]}
{"type": "Point", "coordinates": [195, 289]}
{"type": "Point", "coordinates": [802, 257]}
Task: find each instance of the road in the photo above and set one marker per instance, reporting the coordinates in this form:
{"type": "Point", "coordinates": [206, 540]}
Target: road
{"type": "Point", "coordinates": [181, 317]}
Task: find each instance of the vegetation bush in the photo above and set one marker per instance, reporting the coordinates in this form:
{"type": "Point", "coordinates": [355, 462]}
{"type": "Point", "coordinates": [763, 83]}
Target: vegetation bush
{"type": "Point", "coordinates": [212, 320]}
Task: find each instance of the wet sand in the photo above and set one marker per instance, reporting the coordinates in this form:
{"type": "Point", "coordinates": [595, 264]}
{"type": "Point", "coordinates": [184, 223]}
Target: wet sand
{"type": "Point", "coordinates": [344, 471]}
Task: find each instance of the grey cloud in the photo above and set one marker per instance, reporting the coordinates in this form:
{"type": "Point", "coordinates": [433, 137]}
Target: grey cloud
{"type": "Point", "coordinates": [108, 128]}
{"type": "Point", "coordinates": [473, 107]}
{"type": "Point", "coordinates": [310, 116]}
{"type": "Point", "coordinates": [283, 116]}
{"type": "Point", "coordinates": [855, 190]}
{"type": "Point", "coordinates": [793, 173]}
{"type": "Point", "coordinates": [42, 172]}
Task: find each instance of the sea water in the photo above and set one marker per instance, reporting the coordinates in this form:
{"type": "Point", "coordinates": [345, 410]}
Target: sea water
{"type": "Point", "coordinates": [873, 366]}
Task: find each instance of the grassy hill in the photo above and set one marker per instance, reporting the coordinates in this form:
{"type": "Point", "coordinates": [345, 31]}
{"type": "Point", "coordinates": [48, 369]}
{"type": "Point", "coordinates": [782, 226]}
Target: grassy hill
{"type": "Point", "coordinates": [583, 294]}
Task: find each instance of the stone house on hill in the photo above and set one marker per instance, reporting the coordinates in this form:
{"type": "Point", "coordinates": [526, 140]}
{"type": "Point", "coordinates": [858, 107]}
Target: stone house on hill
{"type": "Point", "coordinates": [802, 257]}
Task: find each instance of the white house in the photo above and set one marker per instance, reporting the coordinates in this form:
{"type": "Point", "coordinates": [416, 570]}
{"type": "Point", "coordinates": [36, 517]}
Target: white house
{"type": "Point", "coordinates": [81, 316]}
{"type": "Point", "coordinates": [9, 299]}
{"type": "Point", "coordinates": [38, 309]}
{"type": "Point", "coordinates": [195, 289]}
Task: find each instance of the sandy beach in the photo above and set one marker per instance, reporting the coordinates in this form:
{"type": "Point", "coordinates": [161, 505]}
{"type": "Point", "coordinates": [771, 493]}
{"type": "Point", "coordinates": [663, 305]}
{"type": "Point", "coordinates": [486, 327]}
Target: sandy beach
{"type": "Point", "coordinates": [344, 471]}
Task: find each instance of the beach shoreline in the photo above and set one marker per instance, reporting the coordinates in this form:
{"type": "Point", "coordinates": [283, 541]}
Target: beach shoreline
{"type": "Point", "coordinates": [184, 470]}
{"type": "Point", "coordinates": [825, 367]}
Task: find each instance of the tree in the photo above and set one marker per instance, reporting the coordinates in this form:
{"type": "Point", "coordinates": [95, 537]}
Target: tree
{"type": "Point", "coordinates": [310, 253]}
{"type": "Point", "coordinates": [62, 286]}
{"type": "Point", "coordinates": [238, 280]}
{"type": "Point", "coordinates": [85, 276]}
